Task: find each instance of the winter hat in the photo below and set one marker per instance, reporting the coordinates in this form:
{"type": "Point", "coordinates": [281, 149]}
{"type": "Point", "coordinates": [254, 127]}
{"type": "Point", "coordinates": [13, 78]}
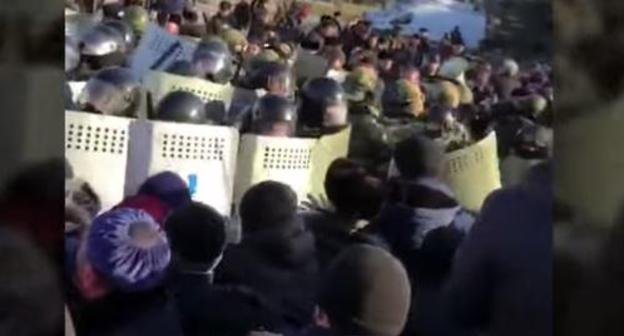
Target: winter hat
{"type": "Point", "coordinates": [267, 205]}
{"type": "Point", "coordinates": [366, 292]}
{"type": "Point", "coordinates": [129, 249]}
{"type": "Point", "coordinates": [418, 156]}
{"type": "Point", "coordinates": [196, 233]}
{"type": "Point", "coordinates": [169, 187]}
{"type": "Point", "coordinates": [150, 204]}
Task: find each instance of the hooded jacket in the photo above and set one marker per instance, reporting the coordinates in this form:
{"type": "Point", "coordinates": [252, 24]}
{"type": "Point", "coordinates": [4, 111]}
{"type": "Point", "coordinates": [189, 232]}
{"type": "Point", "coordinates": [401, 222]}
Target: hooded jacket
{"type": "Point", "coordinates": [279, 263]}
{"type": "Point", "coordinates": [416, 208]}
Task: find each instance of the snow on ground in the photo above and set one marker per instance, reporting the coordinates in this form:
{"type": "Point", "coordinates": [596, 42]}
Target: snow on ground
{"type": "Point", "coordinates": [438, 16]}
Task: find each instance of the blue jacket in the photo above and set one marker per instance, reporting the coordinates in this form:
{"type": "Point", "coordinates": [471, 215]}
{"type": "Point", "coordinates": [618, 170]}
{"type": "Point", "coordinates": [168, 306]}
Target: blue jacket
{"type": "Point", "coordinates": [502, 274]}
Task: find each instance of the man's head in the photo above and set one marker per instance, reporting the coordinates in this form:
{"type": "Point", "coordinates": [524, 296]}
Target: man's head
{"type": "Point", "coordinates": [267, 205]}
{"type": "Point", "coordinates": [352, 190]}
{"type": "Point", "coordinates": [410, 73]}
{"type": "Point", "coordinates": [366, 292]}
{"type": "Point", "coordinates": [125, 250]}
{"type": "Point", "coordinates": [197, 235]}
{"type": "Point", "coordinates": [419, 156]}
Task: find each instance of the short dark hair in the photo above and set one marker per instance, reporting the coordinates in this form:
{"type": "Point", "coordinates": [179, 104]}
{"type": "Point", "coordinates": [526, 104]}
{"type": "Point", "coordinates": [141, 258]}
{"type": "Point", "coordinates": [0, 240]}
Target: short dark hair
{"type": "Point", "coordinates": [418, 156]}
{"type": "Point", "coordinates": [267, 205]}
{"type": "Point", "coordinates": [196, 233]}
{"type": "Point", "coordinates": [352, 190]}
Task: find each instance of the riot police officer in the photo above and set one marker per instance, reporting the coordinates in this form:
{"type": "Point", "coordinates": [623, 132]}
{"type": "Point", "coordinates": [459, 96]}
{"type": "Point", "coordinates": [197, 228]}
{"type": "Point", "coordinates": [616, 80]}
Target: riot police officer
{"type": "Point", "coordinates": [273, 115]}
{"type": "Point", "coordinates": [112, 91]}
{"type": "Point", "coordinates": [100, 47]}
{"type": "Point", "coordinates": [213, 60]}
{"type": "Point", "coordinates": [322, 107]}
{"type": "Point", "coordinates": [185, 107]}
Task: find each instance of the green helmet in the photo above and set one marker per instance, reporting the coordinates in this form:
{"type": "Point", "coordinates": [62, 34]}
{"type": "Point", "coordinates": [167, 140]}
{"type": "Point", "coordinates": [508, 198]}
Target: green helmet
{"type": "Point", "coordinates": [137, 18]}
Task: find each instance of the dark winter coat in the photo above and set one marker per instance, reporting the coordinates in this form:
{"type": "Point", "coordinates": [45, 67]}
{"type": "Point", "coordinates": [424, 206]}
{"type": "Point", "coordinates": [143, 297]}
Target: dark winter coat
{"type": "Point", "coordinates": [125, 314]}
{"type": "Point", "coordinates": [333, 233]}
{"type": "Point", "coordinates": [280, 265]}
{"type": "Point", "coordinates": [502, 276]}
{"type": "Point", "coordinates": [207, 309]}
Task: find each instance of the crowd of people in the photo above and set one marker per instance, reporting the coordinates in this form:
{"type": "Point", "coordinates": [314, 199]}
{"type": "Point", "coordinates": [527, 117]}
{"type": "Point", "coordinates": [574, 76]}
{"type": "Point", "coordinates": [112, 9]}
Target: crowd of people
{"type": "Point", "coordinates": [386, 256]}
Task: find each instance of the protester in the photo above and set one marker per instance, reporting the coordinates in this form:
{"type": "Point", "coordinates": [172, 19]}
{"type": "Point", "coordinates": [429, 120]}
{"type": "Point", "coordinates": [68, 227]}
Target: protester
{"type": "Point", "coordinates": [356, 197]}
{"type": "Point", "coordinates": [419, 200]}
{"type": "Point", "coordinates": [197, 235]}
{"type": "Point", "coordinates": [121, 265]}
{"type": "Point", "coordinates": [365, 292]}
{"type": "Point", "coordinates": [501, 281]}
{"type": "Point", "coordinates": [276, 256]}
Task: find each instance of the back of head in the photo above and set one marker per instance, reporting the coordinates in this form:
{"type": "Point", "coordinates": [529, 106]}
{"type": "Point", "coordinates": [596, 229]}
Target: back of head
{"type": "Point", "coordinates": [418, 156]}
{"type": "Point", "coordinates": [351, 190]}
{"type": "Point", "coordinates": [366, 292]}
{"type": "Point", "coordinates": [196, 233]}
{"type": "Point", "coordinates": [267, 205]}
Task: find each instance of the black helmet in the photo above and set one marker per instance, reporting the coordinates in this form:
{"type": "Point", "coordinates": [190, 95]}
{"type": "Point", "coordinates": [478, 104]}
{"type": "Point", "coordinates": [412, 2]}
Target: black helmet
{"type": "Point", "coordinates": [125, 30]}
{"type": "Point", "coordinates": [184, 107]}
{"type": "Point", "coordinates": [112, 91]}
{"type": "Point", "coordinates": [213, 60]}
{"type": "Point", "coordinates": [274, 77]}
{"type": "Point", "coordinates": [183, 68]}
{"type": "Point", "coordinates": [102, 46]}
{"type": "Point", "coordinates": [317, 96]}
{"type": "Point", "coordinates": [271, 110]}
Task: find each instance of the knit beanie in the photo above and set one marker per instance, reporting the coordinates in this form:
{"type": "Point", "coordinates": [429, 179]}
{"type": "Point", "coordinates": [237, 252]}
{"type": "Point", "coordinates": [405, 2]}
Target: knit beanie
{"type": "Point", "coordinates": [129, 249]}
{"type": "Point", "coordinates": [169, 187]}
{"type": "Point", "coordinates": [150, 204]}
{"type": "Point", "coordinates": [366, 292]}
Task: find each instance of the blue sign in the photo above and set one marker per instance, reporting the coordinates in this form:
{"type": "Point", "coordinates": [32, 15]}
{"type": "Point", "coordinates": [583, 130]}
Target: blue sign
{"type": "Point", "coordinates": [192, 183]}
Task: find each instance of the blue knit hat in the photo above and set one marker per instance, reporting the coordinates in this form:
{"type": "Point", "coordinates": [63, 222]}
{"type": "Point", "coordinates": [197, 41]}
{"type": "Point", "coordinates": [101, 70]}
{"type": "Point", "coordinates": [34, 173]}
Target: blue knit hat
{"type": "Point", "coordinates": [129, 249]}
{"type": "Point", "coordinates": [169, 187]}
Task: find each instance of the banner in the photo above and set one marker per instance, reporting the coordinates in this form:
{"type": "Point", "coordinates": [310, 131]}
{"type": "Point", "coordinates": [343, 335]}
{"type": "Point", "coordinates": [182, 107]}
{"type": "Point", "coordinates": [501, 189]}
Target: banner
{"type": "Point", "coordinates": [158, 49]}
{"type": "Point", "coordinates": [473, 172]}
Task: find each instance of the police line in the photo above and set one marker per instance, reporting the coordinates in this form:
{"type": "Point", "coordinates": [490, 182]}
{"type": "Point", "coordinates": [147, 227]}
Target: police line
{"type": "Point", "coordinates": [117, 154]}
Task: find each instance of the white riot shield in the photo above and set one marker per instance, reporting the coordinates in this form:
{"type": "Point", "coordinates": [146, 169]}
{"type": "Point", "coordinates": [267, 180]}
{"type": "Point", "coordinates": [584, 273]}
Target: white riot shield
{"type": "Point", "coordinates": [158, 84]}
{"type": "Point", "coordinates": [158, 49]}
{"type": "Point", "coordinates": [298, 162]}
{"type": "Point", "coordinates": [203, 155]}
{"type": "Point", "coordinates": [96, 146]}
{"type": "Point", "coordinates": [286, 160]}
{"type": "Point", "coordinates": [473, 172]}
